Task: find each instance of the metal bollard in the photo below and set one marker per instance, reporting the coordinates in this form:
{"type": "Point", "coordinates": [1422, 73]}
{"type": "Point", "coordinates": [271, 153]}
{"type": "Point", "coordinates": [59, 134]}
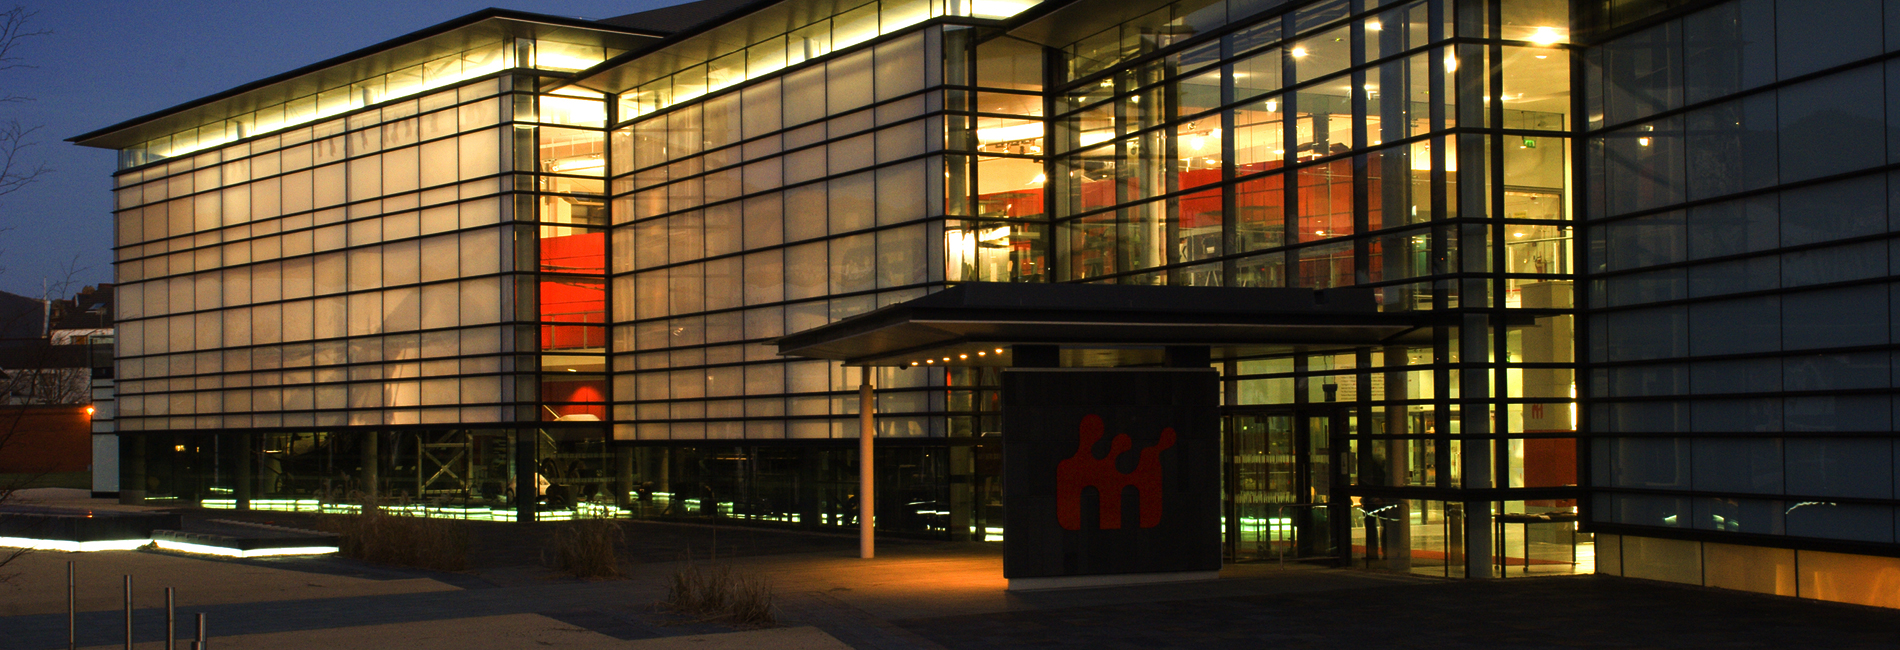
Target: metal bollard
{"type": "Point", "coordinates": [128, 612]}
{"type": "Point", "coordinates": [200, 643]}
{"type": "Point", "coordinates": [72, 640]}
{"type": "Point", "coordinates": [171, 621]}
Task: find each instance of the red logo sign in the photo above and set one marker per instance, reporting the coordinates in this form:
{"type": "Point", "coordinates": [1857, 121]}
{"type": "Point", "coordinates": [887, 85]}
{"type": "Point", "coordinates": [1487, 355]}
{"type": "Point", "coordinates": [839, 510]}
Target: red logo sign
{"type": "Point", "coordinates": [1084, 470]}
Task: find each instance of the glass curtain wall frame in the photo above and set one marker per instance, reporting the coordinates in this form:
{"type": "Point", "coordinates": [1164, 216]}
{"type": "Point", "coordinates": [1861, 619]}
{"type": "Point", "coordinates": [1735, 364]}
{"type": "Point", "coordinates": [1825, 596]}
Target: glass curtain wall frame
{"type": "Point", "coordinates": [1428, 242]}
{"type": "Point", "coordinates": [1723, 439]}
{"type": "Point", "coordinates": [776, 205]}
{"type": "Point", "coordinates": [238, 279]}
{"type": "Point", "coordinates": [942, 489]}
{"type": "Point", "coordinates": [372, 270]}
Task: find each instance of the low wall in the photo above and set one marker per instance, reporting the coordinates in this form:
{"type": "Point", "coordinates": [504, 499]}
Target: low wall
{"type": "Point", "coordinates": [44, 439]}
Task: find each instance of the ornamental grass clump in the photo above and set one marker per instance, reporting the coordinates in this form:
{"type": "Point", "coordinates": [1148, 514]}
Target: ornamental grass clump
{"type": "Point", "coordinates": [721, 593]}
{"type": "Point", "coordinates": [587, 547]}
{"type": "Point", "coordinates": [375, 535]}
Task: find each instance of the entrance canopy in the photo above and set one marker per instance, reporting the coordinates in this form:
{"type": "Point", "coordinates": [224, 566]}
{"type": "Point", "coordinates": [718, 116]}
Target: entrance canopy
{"type": "Point", "coordinates": [974, 324]}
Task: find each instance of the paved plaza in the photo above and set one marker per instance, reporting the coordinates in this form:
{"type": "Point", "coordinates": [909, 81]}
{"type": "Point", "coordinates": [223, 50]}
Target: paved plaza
{"type": "Point", "coordinates": [914, 595]}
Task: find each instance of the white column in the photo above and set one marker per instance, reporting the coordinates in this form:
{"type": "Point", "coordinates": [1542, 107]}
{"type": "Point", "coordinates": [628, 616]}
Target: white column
{"type": "Point", "coordinates": [867, 430]}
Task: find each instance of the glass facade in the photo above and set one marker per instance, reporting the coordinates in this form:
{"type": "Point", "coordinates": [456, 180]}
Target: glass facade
{"type": "Point", "coordinates": [1738, 237]}
{"type": "Point", "coordinates": [1421, 149]}
{"type": "Point", "coordinates": [407, 268]}
{"type": "Point", "coordinates": [499, 276]}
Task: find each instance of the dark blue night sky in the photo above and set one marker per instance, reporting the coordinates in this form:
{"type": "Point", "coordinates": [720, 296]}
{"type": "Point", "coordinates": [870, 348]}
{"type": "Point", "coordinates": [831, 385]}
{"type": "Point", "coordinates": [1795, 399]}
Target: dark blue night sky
{"type": "Point", "coordinates": [107, 62]}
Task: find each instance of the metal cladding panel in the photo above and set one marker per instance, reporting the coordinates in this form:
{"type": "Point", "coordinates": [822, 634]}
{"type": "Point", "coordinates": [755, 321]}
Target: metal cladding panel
{"type": "Point", "coordinates": [1110, 472]}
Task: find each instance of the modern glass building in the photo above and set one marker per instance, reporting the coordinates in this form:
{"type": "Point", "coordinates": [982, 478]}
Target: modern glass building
{"type": "Point", "coordinates": [518, 267]}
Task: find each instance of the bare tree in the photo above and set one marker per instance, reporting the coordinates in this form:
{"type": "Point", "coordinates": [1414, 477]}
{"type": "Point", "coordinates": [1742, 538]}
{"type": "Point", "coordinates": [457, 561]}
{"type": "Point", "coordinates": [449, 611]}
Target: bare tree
{"type": "Point", "coordinates": [16, 170]}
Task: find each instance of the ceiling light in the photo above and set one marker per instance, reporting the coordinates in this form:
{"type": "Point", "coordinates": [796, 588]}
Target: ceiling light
{"type": "Point", "coordinates": [1299, 51]}
{"type": "Point", "coordinates": [963, 356]}
{"type": "Point", "coordinates": [1546, 36]}
{"type": "Point", "coordinates": [1373, 26]}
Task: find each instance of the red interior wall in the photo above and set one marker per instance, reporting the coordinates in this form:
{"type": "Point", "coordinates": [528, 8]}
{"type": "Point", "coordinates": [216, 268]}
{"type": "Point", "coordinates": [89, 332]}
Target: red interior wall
{"type": "Point", "coordinates": [574, 300]}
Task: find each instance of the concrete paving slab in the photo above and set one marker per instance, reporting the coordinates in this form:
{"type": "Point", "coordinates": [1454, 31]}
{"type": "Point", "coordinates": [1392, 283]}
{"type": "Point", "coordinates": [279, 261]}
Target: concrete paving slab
{"type": "Point", "coordinates": [943, 595]}
{"type": "Point", "coordinates": [40, 584]}
{"type": "Point", "coordinates": [782, 638]}
{"type": "Point", "coordinates": [515, 631]}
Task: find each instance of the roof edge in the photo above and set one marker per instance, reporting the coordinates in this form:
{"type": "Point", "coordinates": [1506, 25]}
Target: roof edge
{"type": "Point", "coordinates": [668, 40]}
{"type": "Point", "coordinates": [412, 37]}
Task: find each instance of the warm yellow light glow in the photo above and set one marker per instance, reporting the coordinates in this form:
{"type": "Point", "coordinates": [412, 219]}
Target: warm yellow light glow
{"type": "Point", "coordinates": [1299, 52]}
{"type": "Point", "coordinates": [547, 60]}
{"type": "Point", "coordinates": [1546, 36]}
{"type": "Point", "coordinates": [1451, 63]}
{"type": "Point", "coordinates": [72, 546]}
{"type": "Point", "coordinates": [1373, 26]}
{"type": "Point", "coordinates": [1010, 133]}
{"type": "Point", "coordinates": [572, 165]}
{"type": "Point", "coordinates": [187, 547]}
{"type": "Point", "coordinates": [999, 8]}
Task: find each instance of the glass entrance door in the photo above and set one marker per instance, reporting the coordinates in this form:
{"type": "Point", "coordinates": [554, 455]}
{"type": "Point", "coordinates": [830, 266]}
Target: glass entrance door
{"type": "Point", "coordinates": [1279, 487]}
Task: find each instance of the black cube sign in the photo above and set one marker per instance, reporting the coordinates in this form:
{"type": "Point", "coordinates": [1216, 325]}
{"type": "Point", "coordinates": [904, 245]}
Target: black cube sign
{"type": "Point", "coordinates": [1110, 472]}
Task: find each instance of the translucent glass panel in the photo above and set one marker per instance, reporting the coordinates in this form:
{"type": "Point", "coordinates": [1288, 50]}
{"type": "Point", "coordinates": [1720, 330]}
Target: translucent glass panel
{"type": "Point", "coordinates": [257, 297]}
{"type": "Point", "coordinates": [730, 64]}
{"type": "Point", "coordinates": [475, 61]}
{"type": "Point", "coordinates": [720, 244]}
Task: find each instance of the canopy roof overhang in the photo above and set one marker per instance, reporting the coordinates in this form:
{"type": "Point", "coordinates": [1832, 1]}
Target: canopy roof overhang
{"type": "Point", "coordinates": [980, 317]}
